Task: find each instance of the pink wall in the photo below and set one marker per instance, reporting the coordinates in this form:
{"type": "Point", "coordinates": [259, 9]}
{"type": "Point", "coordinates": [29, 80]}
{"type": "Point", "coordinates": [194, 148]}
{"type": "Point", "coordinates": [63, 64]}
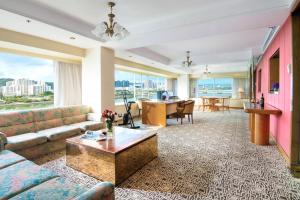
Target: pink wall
{"type": "Point", "coordinates": [280, 127]}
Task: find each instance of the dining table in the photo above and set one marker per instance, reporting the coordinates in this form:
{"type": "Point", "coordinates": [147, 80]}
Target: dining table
{"type": "Point", "coordinates": [211, 102]}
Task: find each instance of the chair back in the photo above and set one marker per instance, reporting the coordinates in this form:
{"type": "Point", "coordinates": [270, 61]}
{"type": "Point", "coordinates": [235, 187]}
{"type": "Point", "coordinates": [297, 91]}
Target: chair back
{"type": "Point", "coordinates": [189, 106]}
{"type": "Point", "coordinates": [226, 101]}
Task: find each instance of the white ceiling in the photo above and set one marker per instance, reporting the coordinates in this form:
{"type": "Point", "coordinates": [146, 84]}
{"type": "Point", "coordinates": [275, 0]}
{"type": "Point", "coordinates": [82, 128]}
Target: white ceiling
{"type": "Point", "coordinates": [223, 34]}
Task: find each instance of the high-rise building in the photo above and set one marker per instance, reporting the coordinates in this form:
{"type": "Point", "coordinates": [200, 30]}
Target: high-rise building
{"type": "Point", "coordinates": [24, 87]}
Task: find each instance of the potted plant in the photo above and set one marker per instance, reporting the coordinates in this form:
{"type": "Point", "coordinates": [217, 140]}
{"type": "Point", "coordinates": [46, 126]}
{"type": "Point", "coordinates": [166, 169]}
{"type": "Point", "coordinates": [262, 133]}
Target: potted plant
{"type": "Point", "coordinates": [109, 117]}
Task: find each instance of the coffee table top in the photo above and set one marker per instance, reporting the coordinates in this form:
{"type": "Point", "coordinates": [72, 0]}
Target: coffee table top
{"type": "Point", "coordinates": [123, 139]}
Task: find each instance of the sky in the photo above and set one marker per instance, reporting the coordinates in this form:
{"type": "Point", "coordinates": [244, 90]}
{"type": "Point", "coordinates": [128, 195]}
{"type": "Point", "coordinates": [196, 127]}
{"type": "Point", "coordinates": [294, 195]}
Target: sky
{"type": "Point", "coordinates": [15, 66]}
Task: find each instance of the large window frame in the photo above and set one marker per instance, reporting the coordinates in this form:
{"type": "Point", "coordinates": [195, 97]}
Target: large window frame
{"type": "Point", "coordinates": [140, 85]}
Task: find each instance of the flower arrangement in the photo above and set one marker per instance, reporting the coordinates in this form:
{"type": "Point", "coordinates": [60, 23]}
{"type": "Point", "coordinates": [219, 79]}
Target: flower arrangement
{"type": "Point", "coordinates": [109, 116]}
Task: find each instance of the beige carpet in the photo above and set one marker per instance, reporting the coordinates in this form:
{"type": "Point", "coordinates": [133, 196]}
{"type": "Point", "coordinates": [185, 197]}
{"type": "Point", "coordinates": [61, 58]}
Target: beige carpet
{"type": "Point", "coordinates": [211, 159]}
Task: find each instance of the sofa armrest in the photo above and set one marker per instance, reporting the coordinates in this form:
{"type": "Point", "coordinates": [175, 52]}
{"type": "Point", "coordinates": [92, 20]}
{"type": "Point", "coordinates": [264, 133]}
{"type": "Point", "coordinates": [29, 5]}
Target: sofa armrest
{"type": "Point", "coordinates": [94, 117]}
{"type": "Point", "coordinates": [3, 141]}
{"type": "Point", "coordinates": [101, 191]}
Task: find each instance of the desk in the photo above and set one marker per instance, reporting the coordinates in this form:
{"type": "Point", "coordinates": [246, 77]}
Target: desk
{"type": "Point", "coordinates": [259, 121]}
{"type": "Point", "coordinates": [155, 112]}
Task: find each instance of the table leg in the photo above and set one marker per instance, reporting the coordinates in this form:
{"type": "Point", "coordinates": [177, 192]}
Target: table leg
{"type": "Point", "coordinates": [262, 129]}
{"type": "Point", "coordinates": [252, 126]}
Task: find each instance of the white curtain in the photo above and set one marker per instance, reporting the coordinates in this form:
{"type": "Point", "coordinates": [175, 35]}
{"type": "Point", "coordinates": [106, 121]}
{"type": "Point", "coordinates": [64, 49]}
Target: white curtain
{"type": "Point", "coordinates": [67, 85]}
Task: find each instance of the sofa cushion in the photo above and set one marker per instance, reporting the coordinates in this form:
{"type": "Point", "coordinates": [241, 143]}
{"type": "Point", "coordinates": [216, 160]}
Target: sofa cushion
{"type": "Point", "coordinates": [8, 158]}
{"type": "Point", "coordinates": [75, 119]}
{"type": "Point", "coordinates": [47, 114]}
{"type": "Point", "coordinates": [47, 118]}
{"type": "Point", "coordinates": [57, 188]}
{"type": "Point", "coordinates": [88, 125]}
{"type": "Point", "coordinates": [22, 176]}
{"type": "Point", "coordinates": [25, 141]}
{"type": "Point", "coordinates": [15, 118]}
{"type": "Point", "coordinates": [17, 129]}
{"type": "Point", "coordinates": [42, 125]}
{"type": "Point", "coordinates": [59, 132]}
{"type": "Point", "coordinates": [72, 111]}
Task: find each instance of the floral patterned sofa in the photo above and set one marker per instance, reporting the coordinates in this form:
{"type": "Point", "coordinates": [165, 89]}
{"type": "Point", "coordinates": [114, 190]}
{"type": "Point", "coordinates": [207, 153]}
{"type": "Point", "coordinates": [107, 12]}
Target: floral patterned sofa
{"type": "Point", "coordinates": [22, 179]}
{"type": "Point", "coordinates": [38, 132]}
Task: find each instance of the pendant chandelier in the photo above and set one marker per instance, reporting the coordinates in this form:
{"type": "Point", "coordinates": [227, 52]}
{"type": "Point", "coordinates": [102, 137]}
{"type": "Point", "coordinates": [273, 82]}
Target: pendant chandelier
{"type": "Point", "coordinates": [206, 73]}
{"type": "Point", "coordinates": [111, 30]}
{"type": "Point", "coordinates": [188, 61]}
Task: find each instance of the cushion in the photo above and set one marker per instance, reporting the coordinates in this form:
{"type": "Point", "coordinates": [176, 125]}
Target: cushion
{"type": "Point", "coordinates": [22, 176]}
{"type": "Point", "coordinates": [15, 118]}
{"type": "Point", "coordinates": [104, 190]}
{"type": "Point", "coordinates": [57, 188]}
{"type": "Point", "coordinates": [88, 125]}
{"type": "Point", "coordinates": [42, 125]}
{"type": "Point", "coordinates": [8, 158]}
{"type": "Point", "coordinates": [72, 111]}
{"type": "Point", "coordinates": [75, 119]}
{"type": "Point", "coordinates": [17, 129]}
{"type": "Point", "coordinates": [59, 132]}
{"type": "Point", "coordinates": [25, 141]}
{"type": "Point", "coordinates": [47, 114]}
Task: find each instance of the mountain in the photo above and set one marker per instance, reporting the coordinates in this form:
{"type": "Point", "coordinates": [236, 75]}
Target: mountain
{"type": "Point", "coordinates": [4, 80]}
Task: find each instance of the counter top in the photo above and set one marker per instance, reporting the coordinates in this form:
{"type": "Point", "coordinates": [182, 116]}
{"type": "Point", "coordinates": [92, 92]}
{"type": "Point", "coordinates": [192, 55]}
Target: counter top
{"type": "Point", "coordinates": [255, 108]}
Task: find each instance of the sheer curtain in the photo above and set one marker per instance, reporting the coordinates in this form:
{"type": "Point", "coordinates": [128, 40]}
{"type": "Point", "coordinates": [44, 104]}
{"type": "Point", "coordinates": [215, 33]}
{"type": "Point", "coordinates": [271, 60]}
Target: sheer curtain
{"type": "Point", "coordinates": [67, 85]}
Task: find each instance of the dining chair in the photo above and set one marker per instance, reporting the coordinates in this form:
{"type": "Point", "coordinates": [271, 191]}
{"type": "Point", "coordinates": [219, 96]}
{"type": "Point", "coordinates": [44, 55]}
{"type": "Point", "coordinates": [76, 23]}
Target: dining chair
{"type": "Point", "coordinates": [186, 108]}
{"type": "Point", "coordinates": [206, 103]}
{"type": "Point", "coordinates": [223, 104]}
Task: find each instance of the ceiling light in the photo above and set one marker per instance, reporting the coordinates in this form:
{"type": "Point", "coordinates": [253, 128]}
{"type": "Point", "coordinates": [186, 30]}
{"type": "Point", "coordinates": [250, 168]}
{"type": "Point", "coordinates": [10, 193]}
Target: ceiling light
{"type": "Point", "coordinates": [28, 20]}
{"type": "Point", "coordinates": [188, 61]}
{"type": "Point", "coordinates": [206, 73]}
{"type": "Point", "coordinates": [110, 30]}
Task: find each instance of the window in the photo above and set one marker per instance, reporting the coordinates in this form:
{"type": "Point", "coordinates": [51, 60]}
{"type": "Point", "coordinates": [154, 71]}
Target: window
{"type": "Point", "coordinates": [274, 73]}
{"type": "Point", "coordinates": [25, 82]}
{"type": "Point", "coordinates": [214, 87]}
{"type": "Point", "coordinates": [138, 85]}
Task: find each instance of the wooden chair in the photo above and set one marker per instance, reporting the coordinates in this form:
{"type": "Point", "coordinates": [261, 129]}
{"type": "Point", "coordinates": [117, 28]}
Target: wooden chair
{"type": "Point", "coordinates": [206, 103]}
{"type": "Point", "coordinates": [139, 104]}
{"type": "Point", "coordinates": [223, 104]}
{"type": "Point", "coordinates": [186, 108]}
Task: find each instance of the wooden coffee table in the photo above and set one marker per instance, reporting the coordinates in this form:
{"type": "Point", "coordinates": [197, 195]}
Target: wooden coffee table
{"type": "Point", "coordinates": [114, 159]}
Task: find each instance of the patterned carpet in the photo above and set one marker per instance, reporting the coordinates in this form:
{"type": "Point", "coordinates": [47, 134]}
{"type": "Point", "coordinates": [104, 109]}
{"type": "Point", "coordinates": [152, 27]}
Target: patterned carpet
{"type": "Point", "coordinates": [211, 159]}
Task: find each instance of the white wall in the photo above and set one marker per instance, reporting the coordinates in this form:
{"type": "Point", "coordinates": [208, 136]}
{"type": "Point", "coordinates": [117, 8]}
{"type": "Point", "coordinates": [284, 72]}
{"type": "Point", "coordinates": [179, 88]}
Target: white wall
{"type": "Point", "coordinates": [98, 79]}
{"type": "Point", "coordinates": [91, 79]}
{"type": "Point", "coordinates": [183, 86]}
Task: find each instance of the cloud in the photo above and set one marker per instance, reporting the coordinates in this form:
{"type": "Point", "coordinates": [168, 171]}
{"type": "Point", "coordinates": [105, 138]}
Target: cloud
{"type": "Point", "coordinates": [14, 66]}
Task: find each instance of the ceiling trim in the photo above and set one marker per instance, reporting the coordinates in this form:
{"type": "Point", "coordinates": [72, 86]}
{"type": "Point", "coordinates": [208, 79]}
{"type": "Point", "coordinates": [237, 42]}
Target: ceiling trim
{"type": "Point", "coordinates": [222, 75]}
{"type": "Point", "coordinates": [138, 66]}
{"type": "Point", "coordinates": [38, 42]}
{"type": "Point", "coordinates": [37, 55]}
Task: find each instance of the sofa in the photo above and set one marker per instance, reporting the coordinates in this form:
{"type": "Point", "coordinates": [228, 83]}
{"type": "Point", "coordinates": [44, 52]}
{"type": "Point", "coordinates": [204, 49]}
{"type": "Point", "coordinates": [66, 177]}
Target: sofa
{"type": "Point", "coordinates": [22, 179]}
{"type": "Point", "coordinates": [37, 132]}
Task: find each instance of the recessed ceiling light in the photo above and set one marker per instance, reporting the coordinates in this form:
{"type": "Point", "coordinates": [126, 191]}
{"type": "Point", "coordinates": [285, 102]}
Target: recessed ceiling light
{"type": "Point", "coordinates": [72, 38]}
{"type": "Point", "coordinates": [28, 20]}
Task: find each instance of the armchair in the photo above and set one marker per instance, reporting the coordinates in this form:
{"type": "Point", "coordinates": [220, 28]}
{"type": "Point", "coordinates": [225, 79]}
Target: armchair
{"type": "Point", "coordinates": [186, 108]}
